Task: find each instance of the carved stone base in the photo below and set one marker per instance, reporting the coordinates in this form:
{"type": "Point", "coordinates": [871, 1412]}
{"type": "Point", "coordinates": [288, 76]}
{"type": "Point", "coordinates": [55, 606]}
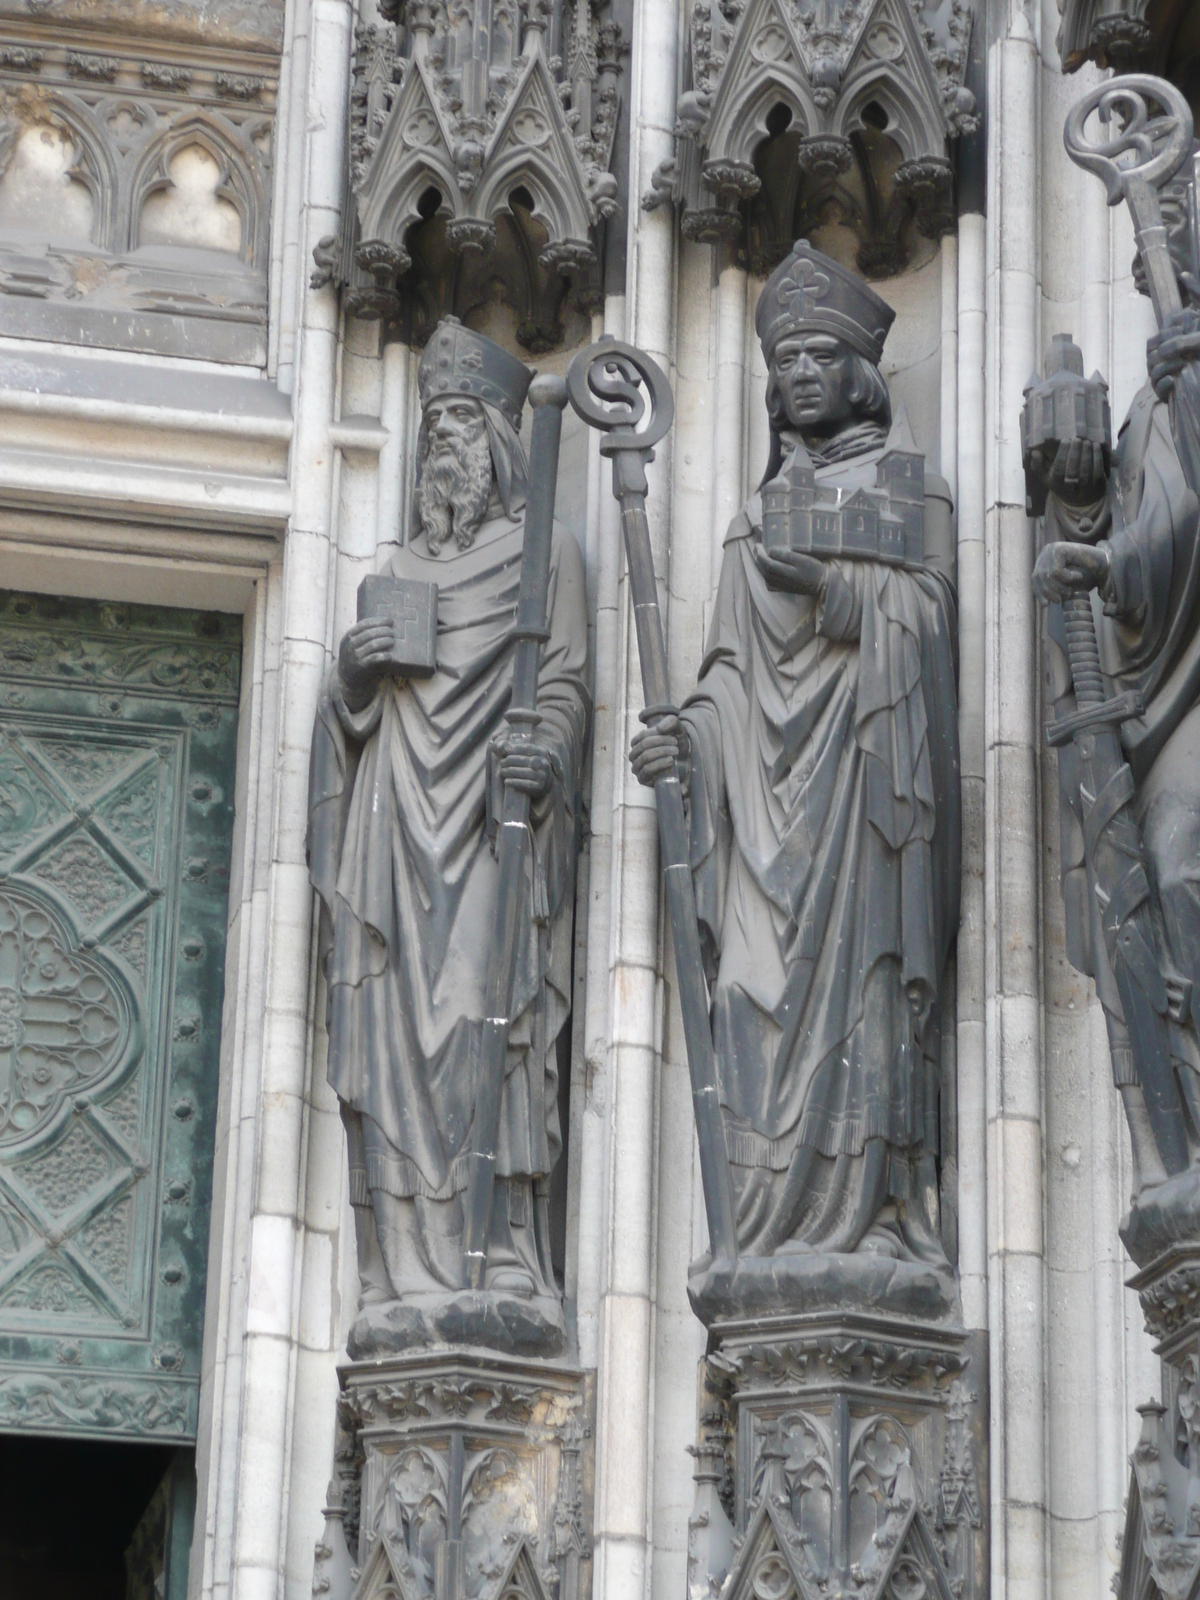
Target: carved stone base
{"type": "Point", "coordinates": [1161, 1219]}
{"type": "Point", "coordinates": [1160, 1552]}
{"type": "Point", "coordinates": [460, 1474]}
{"type": "Point", "coordinates": [512, 1324]}
{"type": "Point", "coordinates": [761, 1285]}
{"type": "Point", "coordinates": [839, 1455]}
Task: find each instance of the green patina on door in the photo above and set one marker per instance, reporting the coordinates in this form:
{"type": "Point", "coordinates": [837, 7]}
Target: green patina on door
{"type": "Point", "coordinates": [117, 732]}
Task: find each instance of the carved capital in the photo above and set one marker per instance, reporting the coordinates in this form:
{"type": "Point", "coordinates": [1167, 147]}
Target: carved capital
{"type": "Point", "coordinates": [731, 181]}
{"type": "Point", "coordinates": [929, 185]}
{"type": "Point", "coordinates": [823, 159]}
{"type": "Point", "coordinates": [471, 1463]}
{"type": "Point", "coordinates": [829, 1411]}
{"type": "Point", "coordinates": [711, 226]}
{"type": "Point", "coordinates": [471, 235]}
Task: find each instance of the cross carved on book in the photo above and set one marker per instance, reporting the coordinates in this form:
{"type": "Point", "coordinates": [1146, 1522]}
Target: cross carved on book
{"type": "Point", "coordinates": [411, 606]}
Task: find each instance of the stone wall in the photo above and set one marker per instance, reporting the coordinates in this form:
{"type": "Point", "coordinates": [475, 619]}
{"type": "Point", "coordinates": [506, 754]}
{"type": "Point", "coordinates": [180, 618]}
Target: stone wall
{"type": "Point", "coordinates": [258, 461]}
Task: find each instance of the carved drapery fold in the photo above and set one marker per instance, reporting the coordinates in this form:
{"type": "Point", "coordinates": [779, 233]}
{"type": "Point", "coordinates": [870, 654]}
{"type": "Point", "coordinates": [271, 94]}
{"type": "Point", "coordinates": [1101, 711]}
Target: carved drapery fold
{"type": "Point", "coordinates": [798, 112]}
{"type": "Point", "coordinates": [481, 136]}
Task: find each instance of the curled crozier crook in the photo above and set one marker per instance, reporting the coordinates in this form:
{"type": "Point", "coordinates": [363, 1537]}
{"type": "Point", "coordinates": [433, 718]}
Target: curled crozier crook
{"type": "Point", "coordinates": [1160, 144]}
{"type": "Point", "coordinates": [606, 390]}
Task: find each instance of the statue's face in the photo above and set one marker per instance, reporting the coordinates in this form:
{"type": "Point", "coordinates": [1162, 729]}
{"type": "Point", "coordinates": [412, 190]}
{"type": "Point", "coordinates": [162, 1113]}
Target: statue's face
{"type": "Point", "coordinates": [453, 423]}
{"type": "Point", "coordinates": [814, 373]}
{"type": "Point", "coordinates": [456, 472]}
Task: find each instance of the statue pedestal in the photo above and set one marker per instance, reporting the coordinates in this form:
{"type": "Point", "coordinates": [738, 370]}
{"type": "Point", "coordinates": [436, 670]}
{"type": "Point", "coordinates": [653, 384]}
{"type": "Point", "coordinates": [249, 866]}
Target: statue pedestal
{"type": "Point", "coordinates": [1161, 1545]}
{"type": "Point", "coordinates": [513, 1325]}
{"type": "Point", "coordinates": [839, 1454]}
{"type": "Point", "coordinates": [460, 1473]}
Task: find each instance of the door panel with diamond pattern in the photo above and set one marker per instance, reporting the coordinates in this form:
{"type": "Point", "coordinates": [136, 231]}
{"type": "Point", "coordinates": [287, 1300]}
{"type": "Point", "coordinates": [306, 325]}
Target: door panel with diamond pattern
{"type": "Point", "coordinates": [117, 734]}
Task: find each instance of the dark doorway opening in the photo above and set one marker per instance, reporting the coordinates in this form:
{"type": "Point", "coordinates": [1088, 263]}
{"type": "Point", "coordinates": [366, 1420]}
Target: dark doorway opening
{"type": "Point", "coordinates": [70, 1509]}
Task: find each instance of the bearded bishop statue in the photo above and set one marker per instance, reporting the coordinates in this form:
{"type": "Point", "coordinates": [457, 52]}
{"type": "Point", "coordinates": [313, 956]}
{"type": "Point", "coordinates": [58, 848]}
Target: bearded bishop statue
{"type": "Point", "coordinates": [820, 757]}
{"type": "Point", "coordinates": [406, 785]}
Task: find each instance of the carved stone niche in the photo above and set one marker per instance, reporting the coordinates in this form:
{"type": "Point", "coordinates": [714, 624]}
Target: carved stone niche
{"type": "Point", "coordinates": [1159, 36]}
{"type": "Point", "coordinates": [839, 1455]}
{"type": "Point", "coordinates": [1160, 1549]}
{"type": "Point", "coordinates": [135, 171]}
{"type": "Point", "coordinates": [481, 135]}
{"type": "Point", "coordinates": [803, 115]}
{"type": "Point", "coordinates": [459, 1476]}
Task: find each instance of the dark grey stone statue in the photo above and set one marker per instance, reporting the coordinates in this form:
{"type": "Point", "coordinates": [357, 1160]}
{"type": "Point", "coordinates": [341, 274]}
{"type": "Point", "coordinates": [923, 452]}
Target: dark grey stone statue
{"type": "Point", "coordinates": [1119, 575]}
{"type": "Point", "coordinates": [1122, 551]}
{"type": "Point", "coordinates": [405, 789]}
{"type": "Point", "coordinates": [821, 758]}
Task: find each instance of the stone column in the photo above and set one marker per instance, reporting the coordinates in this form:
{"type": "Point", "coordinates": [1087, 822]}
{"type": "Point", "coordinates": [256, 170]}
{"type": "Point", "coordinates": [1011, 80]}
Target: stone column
{"type": "Point", "coordinates": [250, 1463]}
{"type": "Point", "coordinates": [1016, 1257]}
{"type": "Point", "coordinates": [624, 1355]}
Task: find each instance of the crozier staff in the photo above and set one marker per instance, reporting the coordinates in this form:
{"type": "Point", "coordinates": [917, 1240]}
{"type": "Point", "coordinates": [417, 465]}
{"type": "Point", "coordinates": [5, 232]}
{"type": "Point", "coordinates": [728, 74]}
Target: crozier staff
{"type": "Point", "coordinates": [405, 793]}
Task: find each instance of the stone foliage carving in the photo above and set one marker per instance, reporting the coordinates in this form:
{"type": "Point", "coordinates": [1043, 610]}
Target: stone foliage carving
{"type": "Point", "coordinates": [461, 1476]}
{"type": "Point", "coordinates": [800, 112]}
{"type": "Point", "coordinates": [1160, 1549]}
{"type": "Point", "coordinates": [479, 163]}
{"type": "Point", "coordinates": [1112, 33]}
{"type": "Point", "coordinates": [134, 195]}
{"type": "Point", "coordinates": [836, 1458]}
{"type": "Point", "coordinates": [97, 1402]}
{"type": "Point", "coordinates": [103, 1211]}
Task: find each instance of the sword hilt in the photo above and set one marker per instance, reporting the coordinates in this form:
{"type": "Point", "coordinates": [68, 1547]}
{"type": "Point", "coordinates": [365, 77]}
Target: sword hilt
{"type": "Point", "coordinates": [1083, 651]}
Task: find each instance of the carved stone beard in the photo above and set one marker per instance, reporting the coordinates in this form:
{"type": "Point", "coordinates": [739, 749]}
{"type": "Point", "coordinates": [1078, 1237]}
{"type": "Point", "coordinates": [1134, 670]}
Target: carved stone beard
{"type": "Point", "coordinates": [455, 487]}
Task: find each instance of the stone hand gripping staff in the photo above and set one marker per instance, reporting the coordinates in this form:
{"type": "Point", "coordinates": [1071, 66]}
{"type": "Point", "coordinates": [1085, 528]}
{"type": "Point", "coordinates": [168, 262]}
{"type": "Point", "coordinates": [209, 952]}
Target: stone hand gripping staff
{"type": "Point", "coordinates": [605, 386]}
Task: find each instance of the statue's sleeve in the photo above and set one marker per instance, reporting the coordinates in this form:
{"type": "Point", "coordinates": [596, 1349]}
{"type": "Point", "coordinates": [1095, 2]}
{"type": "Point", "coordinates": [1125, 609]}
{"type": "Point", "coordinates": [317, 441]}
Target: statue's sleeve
{"type": "Point", "coordinates": [1145, 557]}
{"type": "Point", "coordinates": [721, 692]}
{"type": "Point", "coordinates": [330, 783]}
{"type": "Point", "coordinates": [338, 733]}
{"type": "Point", "coordinates": [907, 732]}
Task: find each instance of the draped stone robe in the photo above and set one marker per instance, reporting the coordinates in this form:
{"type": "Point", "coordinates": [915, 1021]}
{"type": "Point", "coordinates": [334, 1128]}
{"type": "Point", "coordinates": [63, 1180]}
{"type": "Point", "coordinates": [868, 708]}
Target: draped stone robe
{"type": "Point", "coordinates": [824, 807]}
{"type": "Point", "coordinates": [404, 800]}
{"type": "Point", "coordinates": [1148, 627]}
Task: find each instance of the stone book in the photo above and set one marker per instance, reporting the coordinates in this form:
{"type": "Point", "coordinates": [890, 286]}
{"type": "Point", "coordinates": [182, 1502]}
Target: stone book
{"type": "Point", "coordinates": [412, 606]}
